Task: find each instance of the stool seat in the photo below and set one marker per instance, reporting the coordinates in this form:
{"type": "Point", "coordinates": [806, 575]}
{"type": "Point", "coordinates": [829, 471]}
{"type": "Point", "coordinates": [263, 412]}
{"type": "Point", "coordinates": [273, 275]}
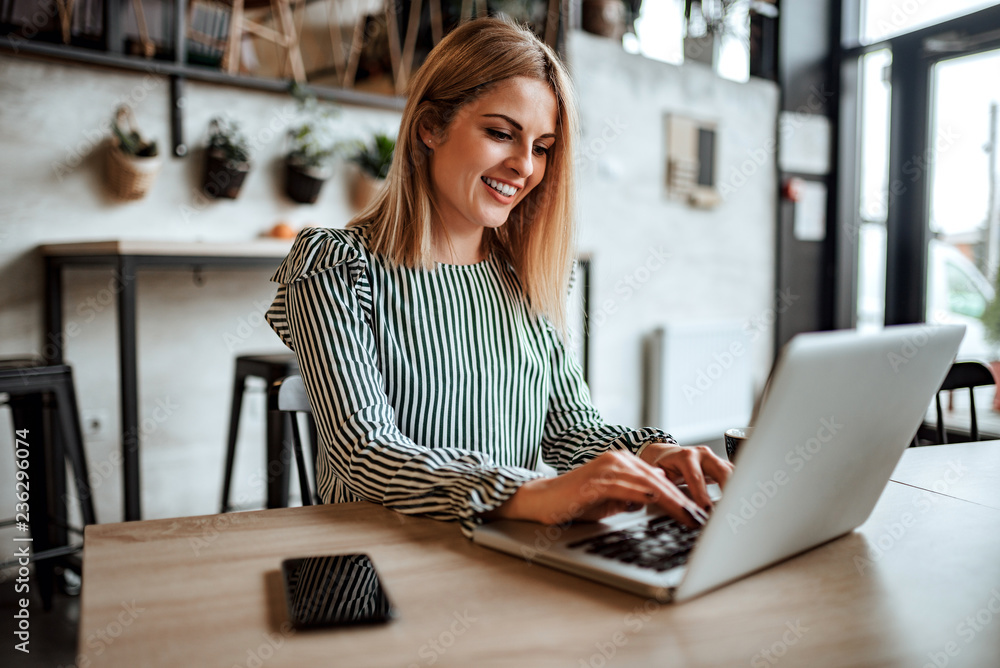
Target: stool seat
{"type": "Point", "coordinates": [9, 363]}
{"type": "Point", "coordinates": [269, 367]}
{"type": "Point", "coordinates": [268, 361]}
{"type": "Point", "coordinates": [33, 390]}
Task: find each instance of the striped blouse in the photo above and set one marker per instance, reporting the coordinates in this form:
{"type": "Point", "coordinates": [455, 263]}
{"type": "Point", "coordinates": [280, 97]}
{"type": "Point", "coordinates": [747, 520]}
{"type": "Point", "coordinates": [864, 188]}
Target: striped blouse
{"type": "Point", "coordinates": [433, 391]}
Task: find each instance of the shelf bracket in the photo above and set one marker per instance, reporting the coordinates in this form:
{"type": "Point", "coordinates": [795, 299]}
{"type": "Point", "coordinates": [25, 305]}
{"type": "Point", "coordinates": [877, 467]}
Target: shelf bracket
{"type": "Point", "coordinates": [177, 115]}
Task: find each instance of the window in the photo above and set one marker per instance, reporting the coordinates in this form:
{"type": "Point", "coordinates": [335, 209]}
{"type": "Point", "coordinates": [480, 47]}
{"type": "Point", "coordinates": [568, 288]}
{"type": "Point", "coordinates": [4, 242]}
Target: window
{"type": "Point", "coordinates": [919, 165]}
{"type": "Point", "coordinates": [882, 19]}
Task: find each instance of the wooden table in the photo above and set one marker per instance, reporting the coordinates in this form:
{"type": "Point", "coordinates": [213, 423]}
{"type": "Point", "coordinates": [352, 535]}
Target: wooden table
{"type": "Point", "coordinates": [126, 258]}
{"type": "Point", "coordinates": [918, 582]}
{"type": "Point", "coordinates": [967, 471]}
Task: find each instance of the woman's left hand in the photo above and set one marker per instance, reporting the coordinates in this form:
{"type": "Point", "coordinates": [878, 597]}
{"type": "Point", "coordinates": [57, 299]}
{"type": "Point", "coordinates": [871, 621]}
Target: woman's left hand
{"type": "Point", "coordinates": [695, 466]}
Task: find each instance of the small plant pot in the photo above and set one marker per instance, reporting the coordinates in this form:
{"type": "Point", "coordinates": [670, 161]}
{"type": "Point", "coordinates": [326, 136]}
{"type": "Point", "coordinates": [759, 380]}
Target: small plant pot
{"type": "Point", "coordinates": [130, 177]}
{"type": "Point", "coordinates": [995, 368]}
{"type": "Point", "coordinates": [365, 188]}
{"type": "Point", "coordinates": [223, 178]}
{"type": "Point", "coordinates": [704, 49]}
{"type": "Point", "coordinates": [604, 17]}
{"type": "Point", "coordinates": [303, 184]}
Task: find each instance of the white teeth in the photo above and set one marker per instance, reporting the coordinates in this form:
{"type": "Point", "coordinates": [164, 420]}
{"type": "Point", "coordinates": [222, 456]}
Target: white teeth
{"type": "Point", "coordinates": [501, 188]}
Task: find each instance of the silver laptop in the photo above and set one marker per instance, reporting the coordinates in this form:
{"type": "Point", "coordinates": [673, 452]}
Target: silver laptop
{"type": "Point", "coordinates": [840, 409]}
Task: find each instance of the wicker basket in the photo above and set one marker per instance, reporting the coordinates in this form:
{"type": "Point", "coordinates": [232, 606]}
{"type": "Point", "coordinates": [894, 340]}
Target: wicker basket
{"type": "Point", "coordinates": [130, 177]}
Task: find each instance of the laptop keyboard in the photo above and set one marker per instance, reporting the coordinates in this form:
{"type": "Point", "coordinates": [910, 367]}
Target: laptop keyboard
{"type": "Point", "coordinates": [660, 545]}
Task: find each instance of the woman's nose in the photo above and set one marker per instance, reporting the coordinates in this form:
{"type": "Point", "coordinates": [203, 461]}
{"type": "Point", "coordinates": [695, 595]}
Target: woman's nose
{"type": "Point", "coordinates": [520, 161]}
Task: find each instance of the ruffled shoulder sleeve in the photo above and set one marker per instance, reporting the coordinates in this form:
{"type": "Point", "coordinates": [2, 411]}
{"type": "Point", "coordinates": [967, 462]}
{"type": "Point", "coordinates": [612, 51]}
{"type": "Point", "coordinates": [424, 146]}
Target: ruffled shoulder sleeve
{"type": "Point", "coordinates": [317, 250]}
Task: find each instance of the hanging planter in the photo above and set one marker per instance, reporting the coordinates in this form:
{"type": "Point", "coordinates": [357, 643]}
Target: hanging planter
{"type": "Point", "coordinates": [706, 23]}
{"type": "Point", "coordinates": [304, 182]}
{"type": "Point", "coordinates": [133, 162]}
{"type": "Point", "coordinates": [311, 149]}
{"type": "Point", "coordinates": [604, 17]}
{"type": "Point", "coordinates": [227, 160]}
{"type": "Point", "coordinates": [374, 161]}
{"type": "Point", "coordinates": [364, 189]}
{"type": "Point", "coordinates": [702, 49]}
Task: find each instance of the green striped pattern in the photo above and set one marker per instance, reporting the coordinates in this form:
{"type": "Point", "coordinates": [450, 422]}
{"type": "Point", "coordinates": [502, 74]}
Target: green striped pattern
{"type": "Point", "coordinates": [433, 391]}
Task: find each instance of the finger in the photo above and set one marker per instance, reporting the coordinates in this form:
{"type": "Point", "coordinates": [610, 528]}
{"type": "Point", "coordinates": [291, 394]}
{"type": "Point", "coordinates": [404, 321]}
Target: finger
{"type": "Point", "coordinates": [603, 509]}
{"type": "Point", "coordinates": [661, 486]}
{"type": "Point", "coordinates": [684, 511]}
{"type": "Point", "coordinates": [690, 469]}
{"type": "Point", "coordinates": [685, 467]}
{"type": "Point", "coordinates": [627, 489]}
{"type": "Point", "coordinates": [673, 501]}
{"type": "Point", "coordinates": [622, 478]}
{"type": "Point", "coordinates": [699, 467]}
{"type": "Point", "coordinates": [718, 469]}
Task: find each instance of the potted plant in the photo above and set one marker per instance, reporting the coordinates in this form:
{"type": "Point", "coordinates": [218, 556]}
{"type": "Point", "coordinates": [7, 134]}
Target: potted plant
{"type": "Point", "coordinates": [604, 17]}
{"type": "Point", "coordinates": [991, 325]}
{"type": "Point", "coordinates": [312, 148]}
{"type": "Point", "coordinates": [706, 22]}
{"type": "Point", "coordinates": [227, 159]}
{"type": "Point", "coordinates": [133, 161]}
{"type": "Point", "coordinates": [374, 160]}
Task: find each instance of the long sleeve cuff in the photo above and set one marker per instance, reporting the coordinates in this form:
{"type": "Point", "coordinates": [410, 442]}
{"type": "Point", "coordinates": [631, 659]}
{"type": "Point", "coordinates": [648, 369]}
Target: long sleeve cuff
{"type": "Point", "coordinates": [488, 491]}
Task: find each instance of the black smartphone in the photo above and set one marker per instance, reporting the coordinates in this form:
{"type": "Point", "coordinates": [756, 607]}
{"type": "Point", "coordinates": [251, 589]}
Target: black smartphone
{"type": "Point", "coordinates": [334, 590]}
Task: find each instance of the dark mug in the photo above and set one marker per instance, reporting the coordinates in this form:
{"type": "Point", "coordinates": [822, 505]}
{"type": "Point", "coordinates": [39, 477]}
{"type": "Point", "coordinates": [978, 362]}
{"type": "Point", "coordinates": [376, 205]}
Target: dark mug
{"type": "Point", "coordinates": [735, 438]}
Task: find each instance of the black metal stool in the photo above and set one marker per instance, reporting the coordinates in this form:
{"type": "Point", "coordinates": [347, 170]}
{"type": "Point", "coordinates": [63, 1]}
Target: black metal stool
{"type": "Point", "coordinates": [41, 448]}
{"type": "Point", "coordinates": [269, 367]}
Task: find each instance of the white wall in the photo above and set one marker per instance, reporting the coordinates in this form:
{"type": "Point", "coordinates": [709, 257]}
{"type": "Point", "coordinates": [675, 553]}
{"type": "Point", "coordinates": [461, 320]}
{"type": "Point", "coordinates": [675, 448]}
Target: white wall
{"type": "Point", "coordinates": [720, 262]}
{"type": "Point", "coordinates": [51, 189]}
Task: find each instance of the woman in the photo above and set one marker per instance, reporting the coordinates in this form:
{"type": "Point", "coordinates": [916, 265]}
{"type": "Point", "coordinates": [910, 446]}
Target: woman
{"type": "Point", "coordinates": [429, 333]}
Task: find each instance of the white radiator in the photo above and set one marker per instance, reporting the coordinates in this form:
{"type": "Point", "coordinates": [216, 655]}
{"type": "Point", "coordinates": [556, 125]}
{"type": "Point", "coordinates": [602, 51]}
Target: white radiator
{"type": "Point", "coordinates": [698, 380]}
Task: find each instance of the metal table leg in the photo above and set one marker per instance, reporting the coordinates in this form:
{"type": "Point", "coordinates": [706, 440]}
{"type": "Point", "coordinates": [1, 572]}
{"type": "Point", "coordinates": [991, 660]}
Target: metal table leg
{"type": "Point", "coordinates": [128, 368]}
{"type": "Point", "coordinates": [52, 349]}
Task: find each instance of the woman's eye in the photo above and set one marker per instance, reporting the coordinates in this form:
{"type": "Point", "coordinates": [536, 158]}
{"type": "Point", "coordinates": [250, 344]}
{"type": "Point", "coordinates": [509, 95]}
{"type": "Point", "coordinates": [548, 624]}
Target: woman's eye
{"type": "Point", "coordinates": [541, 150]}
{"type": "Point", "coordinates": [498, 134]}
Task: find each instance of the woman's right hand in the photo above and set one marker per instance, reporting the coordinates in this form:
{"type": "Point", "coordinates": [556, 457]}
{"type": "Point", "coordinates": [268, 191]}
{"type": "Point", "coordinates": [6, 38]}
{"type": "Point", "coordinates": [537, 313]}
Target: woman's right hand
{"type": "Point", "coordinates": [610, 483]}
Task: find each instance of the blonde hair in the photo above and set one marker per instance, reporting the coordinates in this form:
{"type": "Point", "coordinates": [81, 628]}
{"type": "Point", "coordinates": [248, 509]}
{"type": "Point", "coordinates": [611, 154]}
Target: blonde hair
{"type": "Point", "coordinates": [538, 236]}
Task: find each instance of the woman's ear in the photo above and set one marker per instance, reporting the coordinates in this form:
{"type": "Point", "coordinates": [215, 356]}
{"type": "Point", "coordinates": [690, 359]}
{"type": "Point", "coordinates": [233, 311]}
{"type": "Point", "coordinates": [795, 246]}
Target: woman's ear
{"type": "Point", "coordinates": [427, 136]}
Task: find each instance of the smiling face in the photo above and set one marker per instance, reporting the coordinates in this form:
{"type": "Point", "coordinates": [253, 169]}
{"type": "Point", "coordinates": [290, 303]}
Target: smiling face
{"type": "Point", "coordinates": [491, 155]}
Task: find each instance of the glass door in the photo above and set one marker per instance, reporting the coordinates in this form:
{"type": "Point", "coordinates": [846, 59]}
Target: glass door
{"type": "Point", "coordinates": [964, 219]}
{"type": "Point", "coordinates": [873, 153]}
{"type": "Point", "coordinates": [920, 211]}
